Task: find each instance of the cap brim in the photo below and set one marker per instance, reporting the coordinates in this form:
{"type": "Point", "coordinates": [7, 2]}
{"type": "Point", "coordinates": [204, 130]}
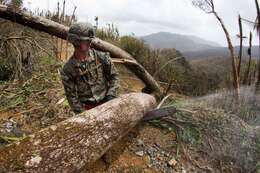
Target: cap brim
{"type": "Point", "coordinates": [86, 38]}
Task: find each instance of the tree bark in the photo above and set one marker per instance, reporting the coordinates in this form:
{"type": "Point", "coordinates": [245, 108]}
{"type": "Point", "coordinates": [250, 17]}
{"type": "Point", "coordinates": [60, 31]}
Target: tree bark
{"type": "Point", "coordinates": [78, 141]}
{"type": "Point", "coordinates": [59, 30]}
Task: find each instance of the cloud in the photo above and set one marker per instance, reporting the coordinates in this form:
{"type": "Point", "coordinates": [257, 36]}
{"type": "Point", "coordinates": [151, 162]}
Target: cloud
{"type": "Point", "coordinates": [150, 16]}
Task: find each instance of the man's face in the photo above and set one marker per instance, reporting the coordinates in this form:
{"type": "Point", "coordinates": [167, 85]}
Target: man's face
{"type": "Point", "coordinates": [85, 46]}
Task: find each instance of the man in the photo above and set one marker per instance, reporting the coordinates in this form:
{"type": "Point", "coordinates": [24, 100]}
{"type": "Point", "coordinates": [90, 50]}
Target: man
{"type": "Point", "coordinates": [89, 77]}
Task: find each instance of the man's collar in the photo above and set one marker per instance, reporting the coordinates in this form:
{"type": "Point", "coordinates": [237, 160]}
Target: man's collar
{"type": "Point", "coordinates": [91, 56]}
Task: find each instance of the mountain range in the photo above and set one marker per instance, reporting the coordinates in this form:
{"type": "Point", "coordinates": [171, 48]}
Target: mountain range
{"type": "Point", "coordinates": [192, 47]}
{"type": "Point", "coordinates": [221, 52]}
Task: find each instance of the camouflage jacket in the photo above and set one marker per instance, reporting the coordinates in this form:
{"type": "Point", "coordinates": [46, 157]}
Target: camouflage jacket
{"type": "Point", "coordinates": [90, 80]}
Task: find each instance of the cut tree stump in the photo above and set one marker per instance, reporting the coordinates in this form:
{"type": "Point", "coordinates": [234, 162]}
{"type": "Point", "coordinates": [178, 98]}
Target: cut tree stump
{"type": "Point", "coordinates": [61, 31]}
{"type": "Point", "coordinates": [78, 141]}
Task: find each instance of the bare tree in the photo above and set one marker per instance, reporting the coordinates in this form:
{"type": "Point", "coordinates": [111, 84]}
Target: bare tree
{"type": "Point", "coordinates": [62, 18]}
{"type": "Point", "coordinates": [96, 20]}
{"type": "Point", "coordinates": [209, 7]}
{"type": "Point", "coordinates": [257, 26]}
{"type": "Point", "coordinates": [70, 22]}
{"type": "Point", "coordinates": [241, 37]}
{"type": "Point", "coordinates": [57, 19]}
{"type": "Point", "coordinates": [246, 76]}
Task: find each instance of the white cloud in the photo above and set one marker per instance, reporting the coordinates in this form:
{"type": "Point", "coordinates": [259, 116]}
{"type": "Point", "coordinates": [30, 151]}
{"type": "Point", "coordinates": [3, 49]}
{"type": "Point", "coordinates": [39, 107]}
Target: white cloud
{"type": "Point", "coordinates": [150, 16]}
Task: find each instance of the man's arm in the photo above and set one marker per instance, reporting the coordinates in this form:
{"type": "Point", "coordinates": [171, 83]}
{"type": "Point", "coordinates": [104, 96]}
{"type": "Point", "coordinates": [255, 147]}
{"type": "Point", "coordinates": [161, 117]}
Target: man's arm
{"type": "Point", "coordinates": [113, 79]}
{"type": "Point", "coordinates": [70, 92]}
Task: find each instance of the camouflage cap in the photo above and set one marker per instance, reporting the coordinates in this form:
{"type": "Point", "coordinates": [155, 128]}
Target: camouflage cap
{"type": "Point", "coordinates": [81, 32]}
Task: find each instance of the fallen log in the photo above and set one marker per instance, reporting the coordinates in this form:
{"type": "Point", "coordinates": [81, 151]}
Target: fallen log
{"type": "Point", "coordinates": [78, 141]}
{"type": "Point", "coordinates": [59, 30]}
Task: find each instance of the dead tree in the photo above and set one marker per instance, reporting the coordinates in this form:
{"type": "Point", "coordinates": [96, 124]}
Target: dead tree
{"type": "Point", "coordinates": [79, 141]}
{"type": "Point", "coordinates": [62, 21]}
{"type": "Point", "coordinates": [59, 30]}
{"type": "Point", "coordinates": [240, 44]}
{"type": "Point", "coordinates": [70, 22]}
{"type": "Point", "coordinates": [257, 26]}
{"type": "Point", "coordinates": [57, 19]}
{"type": "Point", "coordinates": [249, 52]}
{"type": "Point", "coordinates": [208, 6]}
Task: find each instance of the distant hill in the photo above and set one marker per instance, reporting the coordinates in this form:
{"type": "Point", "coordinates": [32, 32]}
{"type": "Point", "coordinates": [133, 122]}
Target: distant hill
{"type": "Point", "coordinates": [219, 52]}
{"type": "Point", "coordinates": [193, 47]}
{"type": "Point", "coordinates": [183, 43]}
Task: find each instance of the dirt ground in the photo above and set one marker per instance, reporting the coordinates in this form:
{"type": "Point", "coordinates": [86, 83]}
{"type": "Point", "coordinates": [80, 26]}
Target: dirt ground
{"type": "Point", "coordinates": [148, 149]}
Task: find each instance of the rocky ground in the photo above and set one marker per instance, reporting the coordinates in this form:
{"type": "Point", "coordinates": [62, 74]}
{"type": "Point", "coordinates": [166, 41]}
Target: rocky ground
{"type": "Point", "coordinates": [147, 149]}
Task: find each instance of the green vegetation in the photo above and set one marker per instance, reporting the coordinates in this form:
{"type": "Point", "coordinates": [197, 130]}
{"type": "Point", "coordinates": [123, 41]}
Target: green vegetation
{"type": "Point", "coordinates": [166, 65]}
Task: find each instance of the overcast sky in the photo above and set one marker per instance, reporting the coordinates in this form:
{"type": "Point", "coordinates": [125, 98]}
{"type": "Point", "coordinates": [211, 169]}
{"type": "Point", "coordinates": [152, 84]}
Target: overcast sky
{"type": "Point", "coordinates": [143, 17]}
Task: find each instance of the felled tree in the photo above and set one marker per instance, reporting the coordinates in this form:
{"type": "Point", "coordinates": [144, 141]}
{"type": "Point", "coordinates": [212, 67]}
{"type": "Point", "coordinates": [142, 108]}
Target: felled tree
{"type": "Point", "coordinates": [79, 141]}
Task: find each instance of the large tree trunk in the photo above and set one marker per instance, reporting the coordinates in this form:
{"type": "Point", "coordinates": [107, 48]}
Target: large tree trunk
{"type": "Point", "coordinates": [78, 141]}
{"type": "Point", "coordinates": [59, 30]}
